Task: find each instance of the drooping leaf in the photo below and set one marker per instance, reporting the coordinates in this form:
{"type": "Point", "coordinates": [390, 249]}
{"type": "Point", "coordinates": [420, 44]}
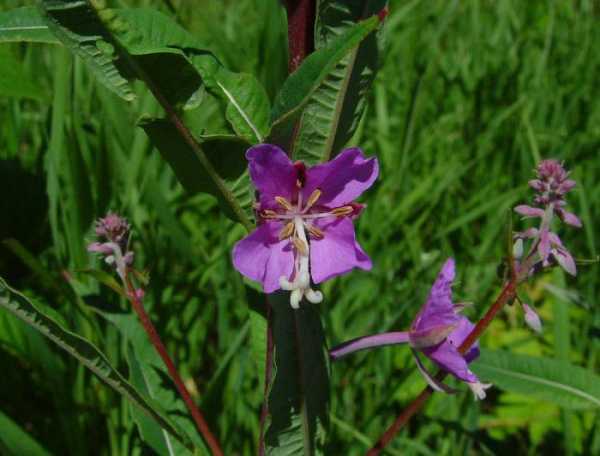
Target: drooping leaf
{"type": "Point", "coordinates": [335, 108]}
{"type": "Point", "coordinates": [552, 380]}
{"type": "Point", "coordinates": [302, 86]}
{"type": "Point", "coordinates": [14, 80]}
{"type": "Point", "coordinates": [148, 375]}
{"type": "Point", "coordinates": [14, 440]}
{"type": "Point", "coordinates": [86, 353]}
{"type": "Point", "coordinates": [226, 163]}
{"type": "Point", "coordinates": [299, 393]}
{"type": "Point", "coordinates": [25, 24]}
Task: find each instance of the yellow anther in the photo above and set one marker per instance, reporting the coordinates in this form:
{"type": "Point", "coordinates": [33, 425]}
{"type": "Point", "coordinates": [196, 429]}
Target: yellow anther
{"type": "Point", "coordinates": [283, 203]}
{"type": "Point", "coordinates": [268, 213]}
{"type": "Point", "coordinates": [312, 199]}
{"type": "Point", "coordinates": [342, 211]}
{"type": "Point", "coordinates": [315, 232]}
{"type": "Point", "coordinates": [286, 231]}
{"type": "Point", "coordinates": [300, 245]}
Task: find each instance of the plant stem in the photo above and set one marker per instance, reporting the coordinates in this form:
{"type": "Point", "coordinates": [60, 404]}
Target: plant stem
{"type": "Point", "coordinates": [268, 370]}
{"type": "Point", "coordinates": [199, 420]}
{"type": "Point", "coordinates": [507, 294]}
{"type": "Point", "coordinates": [301, 21]}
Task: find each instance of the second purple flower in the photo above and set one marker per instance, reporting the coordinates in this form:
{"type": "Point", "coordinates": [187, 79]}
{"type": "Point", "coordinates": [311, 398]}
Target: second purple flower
{"type": "Point", "coordinates": [305, 228]}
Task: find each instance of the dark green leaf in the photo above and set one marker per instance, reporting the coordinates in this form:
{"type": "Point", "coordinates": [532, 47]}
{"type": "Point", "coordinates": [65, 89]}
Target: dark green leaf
{"type": "Point", "coordinates": [225, 154]}
{"type": "Point", "coordinates": [25, 24]}
{"type": "Point", "coordinates": [14, 440]}
{"type": "Point", "coordinates": [303, 85]}
{"type": "Point", "coordinates": [334, 110]}
{"type": "Point", "coordinates": [86, 353]}
{"type": "Point", "coordinates": [299, 394]}
{"type": "Point", "coordinates": [552, 380]}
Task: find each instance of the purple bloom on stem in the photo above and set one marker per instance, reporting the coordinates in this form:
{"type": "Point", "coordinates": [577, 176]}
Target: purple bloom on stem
{"type": "Point", "coordinates": [437, 331]}
{"type": "Point", "coordinates": [532, 318]}
{"type": "Point", "coordinates": [113, 231]}
{"type": "Point", "coordinates": [551, 186]}
{"type": "Point", "coordinates": [305, 221]}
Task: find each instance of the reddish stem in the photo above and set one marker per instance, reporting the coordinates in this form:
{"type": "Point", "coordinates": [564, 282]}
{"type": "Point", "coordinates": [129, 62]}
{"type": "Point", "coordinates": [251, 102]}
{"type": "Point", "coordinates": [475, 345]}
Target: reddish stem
{"type": "Point", "coordinates": [507, 294]}
{"type": "Point", "coordinates": [301, 20]}
{"type": "Point", "coordinates": [268, 369]}
{"type": "Point", "coordinates": [201, 424]}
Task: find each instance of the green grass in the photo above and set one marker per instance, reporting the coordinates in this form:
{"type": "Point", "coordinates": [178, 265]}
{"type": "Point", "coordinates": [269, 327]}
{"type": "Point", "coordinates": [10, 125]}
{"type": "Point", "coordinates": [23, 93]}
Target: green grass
{"type": "Point", "coordinates": [470, 95]}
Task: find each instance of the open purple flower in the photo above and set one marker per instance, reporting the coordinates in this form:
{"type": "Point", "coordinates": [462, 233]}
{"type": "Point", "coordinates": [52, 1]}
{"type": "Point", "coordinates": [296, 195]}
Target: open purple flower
{"type": "Point", "coordinates": [305, 227]}
{"type": "Point", "coordinates": [437, 332]}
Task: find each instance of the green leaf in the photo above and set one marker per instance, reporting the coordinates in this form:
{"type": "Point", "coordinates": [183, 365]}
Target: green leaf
{"type": "Point", "coordinates": [334, 110]}
{"type": "Point", "coordinates": [300, 89]}
{"type": "Point", "coordinates": [86, 353]}
{"type": "Point", "coordinates": [14, 80]}
{"type": "Point", "coordinates": [552, 380]}
{"type": "Point", "coordinates": [14, 440]}
{"type": "Point", "coordinates": [148, 374]}
{"type": "Point", "coordinates": [25, 24]}
{"type": "Point", "coordinates": [225, 156]}
{"type": "Point", "coordinates": [299, 394]}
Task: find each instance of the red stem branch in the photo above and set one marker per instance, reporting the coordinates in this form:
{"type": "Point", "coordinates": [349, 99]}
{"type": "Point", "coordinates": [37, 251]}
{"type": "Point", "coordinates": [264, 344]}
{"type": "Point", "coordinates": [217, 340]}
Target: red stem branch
{"type": "Point", "coordinates": [507, 294]}
{"type": "Point", "coordinates": [301, 21]}
{"type": "Point", "coordinates": [199, 420]}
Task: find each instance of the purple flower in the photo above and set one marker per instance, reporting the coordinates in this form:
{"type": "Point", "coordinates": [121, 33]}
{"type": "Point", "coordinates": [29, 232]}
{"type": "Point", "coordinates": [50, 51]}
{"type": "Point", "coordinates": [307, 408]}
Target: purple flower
{"type": "Point", "coordinates": [113, 233]}
{"type": "Point", "coordinates": [551, 186]}
{"type": "Point", "coordinates": [437, 332]}
{"type": "Point", "coordinates": [305, 228]}
{"type": "Point", "coordinates": [532, 318]}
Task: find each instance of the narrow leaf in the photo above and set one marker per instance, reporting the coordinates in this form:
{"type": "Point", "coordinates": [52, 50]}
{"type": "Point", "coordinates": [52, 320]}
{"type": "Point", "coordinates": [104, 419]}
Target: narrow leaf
{"type": "Point", "coordinates": [14, 440]}
{"type": "Point", "coordinates": [86, 353]}
{"type": "Point", "coordinates": [552, 380]}
{"type": "Point", "coordinates": [335, 108]}
{"type": "Point", "coordinates": [302, 85]}
{"type": "Point", "coordinates": [299, 395]}
{"type": "Point", "coordinates": [25, 24]}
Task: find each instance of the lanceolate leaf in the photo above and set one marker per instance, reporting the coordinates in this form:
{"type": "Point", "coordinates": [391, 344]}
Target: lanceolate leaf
{"type": "Point", "coordinates": [25, 24]}
{"type": "Point", "coordinates": [549, 379]}
{"type": "Point", "coordinates": [86, 353]}
{"type": "Point", "coordinates": [14, 440]}
{"type": "Point", "coordinates": [299, 394]}
{"type": "Point", "coordinates": [301, 88]}
{"type": "Point", "coordinates": [226, 155]}
{"type": "Point", "coordinates": [334, 110]}
{"type": "Point", "coordinates": [148, 375]}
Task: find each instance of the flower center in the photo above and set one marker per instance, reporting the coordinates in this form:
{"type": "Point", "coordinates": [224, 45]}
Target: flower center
{"type": "Point", "coordinates": [299, 220]}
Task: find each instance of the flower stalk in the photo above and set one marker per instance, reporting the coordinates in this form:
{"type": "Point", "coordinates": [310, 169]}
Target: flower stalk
{"type": "Point", "coordinates": [114, 232]}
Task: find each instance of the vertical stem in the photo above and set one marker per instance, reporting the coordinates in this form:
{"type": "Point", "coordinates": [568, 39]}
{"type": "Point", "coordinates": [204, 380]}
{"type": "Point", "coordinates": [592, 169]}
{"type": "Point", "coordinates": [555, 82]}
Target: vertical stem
{"type": "Point", "coordinates": [268, 371]}
{"type": "Point", "coordinates": [199, 420]}
{"type": "Point", "coordinates": [301, 21]}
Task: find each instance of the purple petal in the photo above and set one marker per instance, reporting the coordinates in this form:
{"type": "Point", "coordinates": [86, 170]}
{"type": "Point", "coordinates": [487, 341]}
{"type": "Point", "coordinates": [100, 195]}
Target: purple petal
{"type": "Point", "coordinates": [337, 252]}
{"type": "Point", "coordinates": [105, 248]}
{"type": "Point", "coordinates": [569, 218]}
{"type": "Point", "coordinates": [438, 310]}
{"type": "Point", "coordinates": [564, 258]}
{"type": "Point", "coordinates": [342, 179]}
{"type": "Point", "coordinates": [434, 383]}
{"type": "Point", "coordinates": [361, 343]}
{"type": "Point", "coordinates": [544, 246]}
{"type": "Point", "coordinates": [430, 336]}
{"type": "Point", "coordinates": [447, 357]}
{"type": "Point", "coordinates": [458, 336]}
{"type": "Point", "coordinates": [262, 257]}
{"type": "Point", "coordinates": [532, 318]}
{"type": "Point", "coordinates": [528, 211]}
{"type": "Point", "coordinates": [566, 186]}
{"type": "Point", "coordinates": [272, 173]}
{"type": "Point", "coordinates": [537, 184]}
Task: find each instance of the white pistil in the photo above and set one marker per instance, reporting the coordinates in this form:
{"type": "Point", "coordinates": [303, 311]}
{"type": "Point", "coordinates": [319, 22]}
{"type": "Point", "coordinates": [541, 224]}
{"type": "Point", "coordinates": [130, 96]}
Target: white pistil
{"type": "Point", "coordinates": [478, 389]}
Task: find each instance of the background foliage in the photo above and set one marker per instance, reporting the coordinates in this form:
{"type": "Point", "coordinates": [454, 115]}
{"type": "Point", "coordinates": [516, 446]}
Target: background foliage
{"type": "Point", "coordinates": [470, 96]}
